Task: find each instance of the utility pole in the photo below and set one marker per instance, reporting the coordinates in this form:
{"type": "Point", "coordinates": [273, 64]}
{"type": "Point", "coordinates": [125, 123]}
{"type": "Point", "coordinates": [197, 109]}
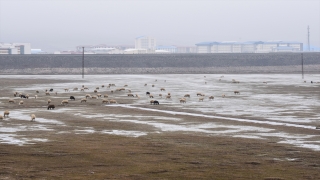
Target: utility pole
{"type": "Point", "coordinates": [308, 39]}
{"type": "Point", "coordinates": [302, 66]}
{"type": "Point", "coordinates": [82, 62]}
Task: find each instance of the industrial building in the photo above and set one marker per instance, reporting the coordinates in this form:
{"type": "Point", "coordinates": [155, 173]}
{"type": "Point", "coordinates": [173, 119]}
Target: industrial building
{"type": "Point", "coordinates": [249, 47]}
{"type": "Point", "coordinates": [15, 48]}
{"type": "Point", "coordinates": [145, 42]}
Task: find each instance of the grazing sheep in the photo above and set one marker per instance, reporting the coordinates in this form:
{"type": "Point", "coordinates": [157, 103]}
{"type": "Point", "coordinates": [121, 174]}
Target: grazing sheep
{"type": "Point", "coordinates": [112, 101]}
{"type": "Point", "coordinates": [236, 92]}
{"type": "Point", "coordinates": [169, 94]}
{"type": "Point", "coordinates": [151, 101]}
{"type": "Point", "coordinates": [129, 91]}
{"type": "Point", "coordinates": [75, 89]}
{"type": "Point", "coordinates": [112, 84]}
{"type": "Point", "coordinates": [97, 88]}
{"type": "Point", "coordinates": [66, 90]}
{"type": "Point", "coordinates": [1, 117]}
{"type": "Point", "coordinates": [168, 97]}
{"type": "Point", "coordinates": [265, 82]}
{"type": "Point", "coordinates": [51, 106]}
{"type": "Point", "coordinates": [15, 94]}
{"type": "Point", "coordinates": [201, 98]}
{"type": "Point", "coordinates": [37, 91]}
{"type": "Point", "coordinates": [21, 102]}
{"type": "Point", "coordinates": [223, 95]}
{"type": "Point", "coordinates": [6, 113]}
{"type": "Point", "coordinates": [83, 100]}
{"type": "Point", "coordinates": [51, 90]}
{"type": "Point", "coordinates": [27, 96]}
{"type": "Point", "coordinates": [35, 96]}
{"type": "Point", "coordinates": [162, 89]}
{"type": "Point", "coordinates": [111, 91]}
{"type": "Point", "coordinates": [33, 117]}
{"type": "Point", "coordinates": [11, 101]}
{"type": "Point", "coordinates": [160, 95]}
{"type": "Point", "coordinates": [49, 101]}
{"type": "Point", "coordinates": [147, 93]}
{"type": "Point", "coordinates": [106, 95]}
{"type": "Point", "coordinates": [183, 100]}
{"type": "Point", "coordinates": [85, 88]}
{"type": "Point", "coordinates": [152, 85]}
{"type": "Point", "coordinates": [88, 96]}
{"type": "Point", "coordinates": [151, 96]}
{"type": "Point", "coordinates": [125, 85]}
{"type": "Point", "coordinates": [23, 96]}
{"type": "Point", "coordinates": [64, 102]}
{"type": "Point", "coordinates": [187, 95]}
{"type": "Point", "coordinates": [155, 102]}
{"type": "Point", "coordinates": [94, 97]}
{"type": "Point", "coordinates": [130, 95]}
{"type": "Point", "coordinates": [137, 96]}
{"type": "Point", "coordinates": [47, 94]}
{"type": "Point", "coordinates": [82, 89]}
{"type": "Point", "coordinates": [99, 95]}
{"type": "Point", "coordinates": [95, 91]}
{"type": "Point", "coordinates": [145, 84]}
{"type": "Point", "coordinates": [211, 97]}
{"type": "Point", "coordinates": [199, 94]}
{"type": "Point", "coordinates": [105, 101]}
{"type": "Point", "coordinates": [56, 93]}
{"type": "Point", "coordinates": [72, 98]}
{"type": "Point", "coordinates": [102, 86]}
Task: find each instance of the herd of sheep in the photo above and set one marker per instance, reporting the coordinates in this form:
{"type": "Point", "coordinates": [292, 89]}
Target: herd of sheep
{"type": "Point", "coordinates": [97, 95]}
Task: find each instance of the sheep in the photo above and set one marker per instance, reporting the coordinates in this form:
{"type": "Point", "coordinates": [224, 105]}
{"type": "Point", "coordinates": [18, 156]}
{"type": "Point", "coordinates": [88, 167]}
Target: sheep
{"type": "Point", "coordinates": [151, 96]}
{"type": "Point", "coordinates": [1, 117]}
{"type": "Point", "coordinates": [122, 89]}
{"type": "Point", "coordinates": [130, 95]}
{"type": "Point", "coordinates": [65, 102]}
{"type": "Point", "coordinates": [21, 102]}
{"type": "Point", "coordinates": [23, 96]}
{"type": "Point", "coordinates": [51, 106]}
{"type": "Point", "coordinates": [33, 117]}
{"type": "Point", "coordinates": [236, 92]}
{"type": "Point", "coordinates": [211, 97]}
{"type": "Point", "coordinates": [88, 96]}
{"type": "Point", "coordinates": [102, 86]}
{"type": "Point", "coordinates": [106, 95]}
{"type": "Point", "coordinates": [6, 113]}
{"type": "Point", "coordinates": [125, 85]}
{"type": "Point", "coordinates": [97, 88]}
{"type": "Point", "coordinates": [169, 94]}
{"type": "Point", "coordinates": [49, 101]}
{"type": "Point", "coordinates": [35, 96]}
{"type": "Point", "coordinates": [83, 100]}
{"type": "Point", "coordinates": [11, 101]}
{"type": "Point", "coordinates": [129, 91]}
{"type": "Point", "coordinates": [105, 101]}
{"type": "Point", "coordinates": [137, 96]}
{"type": "Point", "coordinates": [155, 102]}
{"type": "Point", "coordinates": [187, 95]}
{"type": "Point", "coordinates": [72, 98]}
{"type": "Point", "coordinates": [199, 94]}
{"type": "Point", "coordinates": [152, 85]}
{"type": "Point", "coordinates": [75, 89]}
{"type": "Point", "coordinates": [160, 95]}
{"type": "Point", "coordinates": [147, 93]}
{"type": "Point", "coordinates": [111, 91]}
{"type": "Point", "coordinates": [168, 97]}
{"type": "Point", "coordinates": [82, 89]}
{"type": "Point", "coordinates": [223, 95]}
{"type": "Point", "coordinates": [15, 94]}
{"type": "Point", "coordinates": [112, 101]}
{"type": "Point", "coordinates": [162, 89]}
{"type": "Point", "coordinates": [201, 98]}
{"type": "Point", "coordinates": [151, 101]}
{"type": "Point", "coordinates": [95, 91]}
{"type": "Point", "coordinates": [99, 95]}
{"type": "Point", "coordinates": [145, 84]}
{"type": "Point", "coordinates": [51, 90]}
{"type": "Point", "coordinates": [183, 100]}
{"type": "Point", "coordinates": [66, 90]}
{"type": "Point", "coordinates": [56, 93]}
{"type": "Point", "coordinates": [94, 97]}
{"type": "Point", "coordinates": [85, 88]}
{"type": "Point", "coordinates": [47, 94]}
{"type": "Point", "coordinates": [265, 82]}
{"type": "Point", "coordinates": [37, 91]}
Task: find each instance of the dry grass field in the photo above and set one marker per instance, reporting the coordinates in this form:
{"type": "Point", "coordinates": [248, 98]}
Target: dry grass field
{"type": "Point", "coordinates": [71, 148]}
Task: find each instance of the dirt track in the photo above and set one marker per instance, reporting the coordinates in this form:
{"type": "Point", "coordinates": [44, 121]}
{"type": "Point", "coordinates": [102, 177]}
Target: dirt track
{"type": "Point", "coordinates": [72, 152]}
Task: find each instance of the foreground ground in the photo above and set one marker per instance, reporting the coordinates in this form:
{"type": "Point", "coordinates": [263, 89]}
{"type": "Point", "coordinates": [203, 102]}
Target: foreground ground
{"type": "Point", "coordinates": [72, 152]}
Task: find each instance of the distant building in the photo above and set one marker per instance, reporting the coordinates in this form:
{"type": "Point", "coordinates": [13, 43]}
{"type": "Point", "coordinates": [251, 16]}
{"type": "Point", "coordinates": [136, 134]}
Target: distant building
{"type": "Point", "coordinates": [135, 51]}
{"type": "Point", "coordinates": [145, 42]}
{"type": "Point", "coordinates": [15, 48]}
{"type": "Point", "coordinates": [38, 51]}
{"type": "Point", "coordinates": [169, 49]}
{"type": "Point", "coordinates": [249, 47]}
{"type": "Point", "coordinates": [186, 49]}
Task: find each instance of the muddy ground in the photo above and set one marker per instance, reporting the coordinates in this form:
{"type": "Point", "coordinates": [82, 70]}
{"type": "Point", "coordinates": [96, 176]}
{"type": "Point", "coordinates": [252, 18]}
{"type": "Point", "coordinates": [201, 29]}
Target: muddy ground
{"type": "Point", "coordinates": [72, 152]}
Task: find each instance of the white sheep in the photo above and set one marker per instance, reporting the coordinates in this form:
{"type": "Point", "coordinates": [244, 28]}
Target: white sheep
{"type": "Point", "coordinates": [49, 101]}
{"type": "Point", "coordinates": [168, 97]}
{"type": "Point", "coordinates": [201, 98]}
{"type": "Point", "coordinates": [35, 96]}
{"type": "Point", "coordinates": [183, 100]}
{"type": "Point", "coordinates": [83, 100]}
{"type": "Point", "coordinates": [151, 96]}
{"type": "Point", "coordinates": [11, 101]}
{"type": "Point", "coordinates": [47, 94]}
{"type": "Point", "coordinates": [33, 117]}
{"type": "Point", "coordinates": [6, 113]}
{"type": "Point", "coordinates": [106, 95]}
{"type": "Point", "coordinates": [187, 95]}
{"type": "Point", "coordinates": [160, 95]}
{"type": "Point", "coordinates": [162, 89]}
{"type": "Point", "coordinates": [75, 89]}
{"type": "Point", "coordinates": [94, 97]}
{"type": "Point", "coordinates": [211, 97]}
{"type": "Point", "coordinates": [1, 117]}
{"type": "Point", "coordinates": [112, 101]}
{"type": "Point", "coordinates": [66, 90]}
{"type": "Point", "coordinates": [99, 95]}
{"type": "Point", "coordinates": [105, 101]}
{"type": "Point", "coordinates": [21, 102]}
{"type": "Point", "coordinates": [223, 95]}
{"type": "Point", "coordinates": [88, 96]}
{"type": "Point", "coordinates": [64, 102]}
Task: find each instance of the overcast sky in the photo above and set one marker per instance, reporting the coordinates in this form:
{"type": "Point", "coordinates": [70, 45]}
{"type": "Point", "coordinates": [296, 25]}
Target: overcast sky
{"type": "Point", "coordinates": [53, 25]}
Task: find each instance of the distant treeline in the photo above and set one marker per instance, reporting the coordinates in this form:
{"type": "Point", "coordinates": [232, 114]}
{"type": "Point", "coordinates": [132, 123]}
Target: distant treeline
{"type": "Point", "coordinates": [157, 60]}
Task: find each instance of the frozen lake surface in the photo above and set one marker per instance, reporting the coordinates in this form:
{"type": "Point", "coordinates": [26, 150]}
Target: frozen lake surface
{"type": "Point", "coordinates": [268, 105]}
